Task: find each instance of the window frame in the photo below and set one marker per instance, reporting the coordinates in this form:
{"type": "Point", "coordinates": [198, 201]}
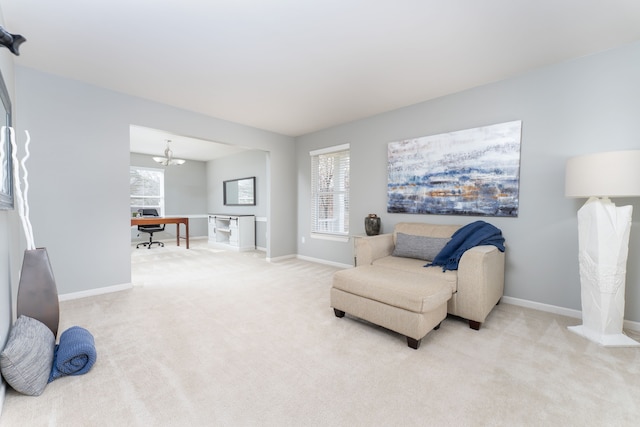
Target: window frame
{"type": "Point", "coordinates": [161, 196]}
{"type": "Point", "coordinates": [340, 193]}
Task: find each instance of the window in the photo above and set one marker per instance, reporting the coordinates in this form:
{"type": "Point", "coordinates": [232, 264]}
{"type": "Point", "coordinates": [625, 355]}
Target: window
{"type": "Point", "coordinates": [330, 190]}
{"type": "Point", "coordinates": [147, 189]}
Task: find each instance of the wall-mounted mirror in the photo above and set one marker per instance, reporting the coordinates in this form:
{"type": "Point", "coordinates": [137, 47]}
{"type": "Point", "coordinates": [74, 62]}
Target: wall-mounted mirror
{"type": "Point", "coordinates": [240, 192]}
{"type": "Point", "coordinates": [6, 170]}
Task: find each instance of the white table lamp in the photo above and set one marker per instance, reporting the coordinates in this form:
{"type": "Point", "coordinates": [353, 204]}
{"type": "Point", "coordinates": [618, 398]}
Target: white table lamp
{"type": "Point", "coordinates": [603, 240]}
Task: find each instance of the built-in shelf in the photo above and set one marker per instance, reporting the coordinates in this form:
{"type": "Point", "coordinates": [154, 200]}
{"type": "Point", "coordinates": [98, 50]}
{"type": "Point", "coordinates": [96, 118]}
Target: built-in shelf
{"type": "Point", "coordinates": [235, 232]}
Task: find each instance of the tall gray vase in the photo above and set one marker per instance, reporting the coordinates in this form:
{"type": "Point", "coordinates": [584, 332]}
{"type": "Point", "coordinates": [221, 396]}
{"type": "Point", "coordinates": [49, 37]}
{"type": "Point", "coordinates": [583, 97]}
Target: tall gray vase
{"type": "Point", "coordinates": [37, 291]}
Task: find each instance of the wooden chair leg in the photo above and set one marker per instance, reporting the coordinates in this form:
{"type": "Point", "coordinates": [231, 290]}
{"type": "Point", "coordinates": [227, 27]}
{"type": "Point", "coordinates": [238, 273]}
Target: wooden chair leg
{"type": "Point", "coordinates": [338, 313]}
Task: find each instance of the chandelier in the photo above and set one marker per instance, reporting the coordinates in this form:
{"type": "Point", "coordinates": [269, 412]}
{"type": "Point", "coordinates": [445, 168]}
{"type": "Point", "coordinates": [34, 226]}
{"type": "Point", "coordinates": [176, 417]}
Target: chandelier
{"type": "Point", "coordinates": [168, 159]}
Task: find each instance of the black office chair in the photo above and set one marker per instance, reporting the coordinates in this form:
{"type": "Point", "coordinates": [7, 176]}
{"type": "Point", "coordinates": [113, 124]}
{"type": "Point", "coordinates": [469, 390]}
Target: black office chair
{"type": "Point", "coordinates": [150, 228]}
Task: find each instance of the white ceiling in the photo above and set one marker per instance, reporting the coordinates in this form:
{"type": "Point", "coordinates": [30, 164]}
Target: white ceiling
{"type": "Point", "coordinates": [298, 66]}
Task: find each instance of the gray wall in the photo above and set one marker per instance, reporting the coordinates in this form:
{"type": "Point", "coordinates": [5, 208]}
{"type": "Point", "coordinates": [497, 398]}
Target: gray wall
{"type": "Point", "coordinates": [185, 193]}
{"type": "Point", "coordinates": [80, 164]}
{"type": "Point", "coordinates": [242, 165]}
{"type": "Point", "coordinates": [582, 106]}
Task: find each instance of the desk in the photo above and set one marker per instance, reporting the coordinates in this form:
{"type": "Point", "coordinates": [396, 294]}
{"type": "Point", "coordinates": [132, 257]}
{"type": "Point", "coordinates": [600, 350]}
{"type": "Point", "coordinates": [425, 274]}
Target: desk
{"type": "Point", "coordinates": [148, 220]}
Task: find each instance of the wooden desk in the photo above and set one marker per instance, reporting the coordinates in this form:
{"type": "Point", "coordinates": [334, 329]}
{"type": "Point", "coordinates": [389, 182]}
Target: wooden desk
{"type": "Point", "coordinates": [149, 220]}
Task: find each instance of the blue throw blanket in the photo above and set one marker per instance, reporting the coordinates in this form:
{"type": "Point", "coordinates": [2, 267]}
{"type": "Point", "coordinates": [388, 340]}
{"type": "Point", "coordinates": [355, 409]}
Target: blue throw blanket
{"type": "Point", "coordinates": [74, 355]}
{"type": "Point", "coordinates": [474, 234]}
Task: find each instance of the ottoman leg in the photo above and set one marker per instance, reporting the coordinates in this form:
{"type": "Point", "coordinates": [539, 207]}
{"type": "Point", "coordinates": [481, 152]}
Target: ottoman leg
{"type": "Point", "coordinates": [414, 343]}
{"type": "Point", "coordinates": [338, 313]}
{"type": "Point", "coordinates": [474, 325]}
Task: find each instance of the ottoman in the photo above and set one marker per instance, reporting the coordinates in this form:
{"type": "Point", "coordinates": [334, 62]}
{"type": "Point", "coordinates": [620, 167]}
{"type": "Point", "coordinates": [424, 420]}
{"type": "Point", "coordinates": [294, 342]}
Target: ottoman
{"type": "Point", "coordinates": [401, 301]}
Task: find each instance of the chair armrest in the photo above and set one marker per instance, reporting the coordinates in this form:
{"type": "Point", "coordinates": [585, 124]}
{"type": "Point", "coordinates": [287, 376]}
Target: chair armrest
{"type": "Point", "coordinates": [480, 282]}
{"type": "Point", "coordinates": [371, 248]}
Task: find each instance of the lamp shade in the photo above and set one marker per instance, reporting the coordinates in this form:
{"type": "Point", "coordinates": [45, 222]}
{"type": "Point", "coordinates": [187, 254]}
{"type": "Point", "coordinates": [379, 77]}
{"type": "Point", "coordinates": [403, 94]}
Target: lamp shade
{"type": "Point", "coordinates": [607, 174]}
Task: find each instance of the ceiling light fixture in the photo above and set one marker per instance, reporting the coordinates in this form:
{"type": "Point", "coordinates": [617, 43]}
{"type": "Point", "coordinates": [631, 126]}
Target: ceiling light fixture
{"type": "Point", "coordinates": [168, 159]}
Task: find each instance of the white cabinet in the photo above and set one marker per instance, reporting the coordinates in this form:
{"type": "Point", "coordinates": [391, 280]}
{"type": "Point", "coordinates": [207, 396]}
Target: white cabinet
{"type": "Point", "coordinates": [236, 232]}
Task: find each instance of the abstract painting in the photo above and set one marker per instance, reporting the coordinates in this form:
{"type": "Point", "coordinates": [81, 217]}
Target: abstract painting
{"type": "Point", "coordinates": [468, 172]}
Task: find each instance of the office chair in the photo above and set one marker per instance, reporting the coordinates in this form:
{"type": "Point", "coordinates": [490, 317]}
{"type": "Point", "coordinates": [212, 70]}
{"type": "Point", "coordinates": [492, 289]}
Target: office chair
{"type": "Point", "coordinates": [150, 228]}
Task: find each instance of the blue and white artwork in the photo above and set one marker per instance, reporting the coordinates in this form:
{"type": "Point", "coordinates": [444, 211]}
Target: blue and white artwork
{"type": "Point", "coordinates": [468, 172]}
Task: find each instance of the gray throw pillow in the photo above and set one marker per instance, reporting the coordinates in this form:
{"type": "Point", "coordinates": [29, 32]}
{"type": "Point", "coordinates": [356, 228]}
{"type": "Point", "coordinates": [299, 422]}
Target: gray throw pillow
{"type": "Point", "coordinates": [27, 358]}
{"type": "Point", "coordinates": [419, 247]}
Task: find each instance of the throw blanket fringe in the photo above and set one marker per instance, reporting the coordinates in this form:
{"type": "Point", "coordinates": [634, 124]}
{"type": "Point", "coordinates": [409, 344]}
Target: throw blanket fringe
{"type": "Point", "coordinates": [475, 234]}
{"type": "Point", "coordinates": [74, 355]}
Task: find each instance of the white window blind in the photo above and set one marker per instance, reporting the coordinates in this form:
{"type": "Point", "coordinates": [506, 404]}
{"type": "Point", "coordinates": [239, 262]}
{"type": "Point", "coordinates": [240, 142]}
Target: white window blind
{"type": "Point", "coordinates": [146, 188]}
{"type": "Point", "coordinates": [330, 190]}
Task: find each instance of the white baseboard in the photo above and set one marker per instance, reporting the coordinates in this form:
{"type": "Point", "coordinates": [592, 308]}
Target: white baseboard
{"type": "Point", "coordinates": [577, 314]}
{"type": "Point", "coordinates": [543, 307]}
{"type": "Point", "coordinates": [280, 258]}
{"type": "Point", "coordinates": [311, 259]}
{"type": "Point", "coordinates": [93, 292]}
{"type": "Point", "coordinates": [324, 261]}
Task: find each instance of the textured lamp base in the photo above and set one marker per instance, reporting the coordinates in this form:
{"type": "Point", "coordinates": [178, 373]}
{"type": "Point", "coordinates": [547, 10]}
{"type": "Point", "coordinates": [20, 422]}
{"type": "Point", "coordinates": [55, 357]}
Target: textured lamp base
{"type": "Point", "coordinates": [608, 340]}
{"type": "Point", "coordinates": [603, 242]}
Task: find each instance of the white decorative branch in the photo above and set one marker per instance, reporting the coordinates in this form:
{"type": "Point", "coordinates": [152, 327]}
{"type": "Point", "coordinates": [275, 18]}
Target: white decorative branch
{"type": "Point", "coordinates": [22, 202]}
{"type": "Point", "coordinates": [23, 163]}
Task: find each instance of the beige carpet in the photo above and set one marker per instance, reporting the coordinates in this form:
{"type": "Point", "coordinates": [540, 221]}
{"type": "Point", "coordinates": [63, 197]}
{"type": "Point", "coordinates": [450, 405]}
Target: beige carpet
{"type": "Point", "coordinates": [215, 338]}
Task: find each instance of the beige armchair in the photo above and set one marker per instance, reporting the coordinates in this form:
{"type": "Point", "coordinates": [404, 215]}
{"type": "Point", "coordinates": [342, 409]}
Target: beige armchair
{"type": "Point", "coordinates": [471, 291]}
